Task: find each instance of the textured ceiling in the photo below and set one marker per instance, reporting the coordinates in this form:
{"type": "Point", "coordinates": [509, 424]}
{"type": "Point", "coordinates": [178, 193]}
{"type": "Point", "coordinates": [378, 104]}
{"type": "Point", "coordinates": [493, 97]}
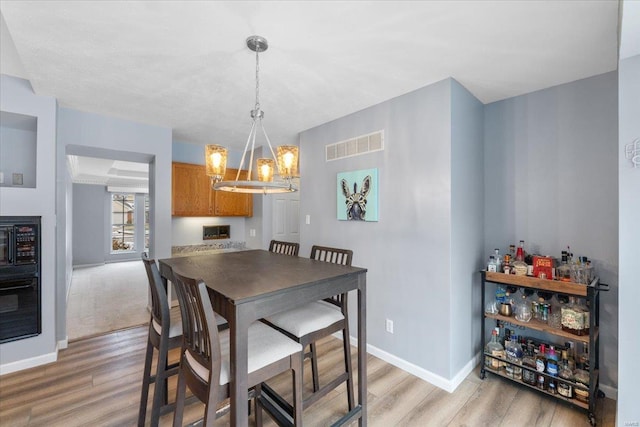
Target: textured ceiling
{"type": "Point", "coordinates": [184, 65]}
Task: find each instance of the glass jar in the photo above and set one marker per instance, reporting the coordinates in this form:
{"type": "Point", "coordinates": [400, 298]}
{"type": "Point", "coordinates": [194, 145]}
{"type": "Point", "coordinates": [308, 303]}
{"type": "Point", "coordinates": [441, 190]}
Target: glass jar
{"type": "Point", "coordinates": [523, 310]}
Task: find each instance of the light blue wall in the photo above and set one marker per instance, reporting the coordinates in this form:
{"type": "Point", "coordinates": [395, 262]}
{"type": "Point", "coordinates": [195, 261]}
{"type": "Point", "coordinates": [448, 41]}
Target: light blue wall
{"type": "Point", "coordinates": [94, 135]}
{"type": "Point", "coordinates": [551, 179]}
{"type": "Point", "coordinates": [89, 213]}
{"type": "Point", "coordinates": [18, 155]}
{"type": "Point", "coordinates": [17, 96]}
{"type": "Point", "coordinates": [629, 191]}
{"type": "Point", "coordinates": [408, 251]}
{"type": "Point", "coordinates": [467, 220]}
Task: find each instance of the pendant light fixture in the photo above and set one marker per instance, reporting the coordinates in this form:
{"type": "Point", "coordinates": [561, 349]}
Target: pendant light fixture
{"type": "Point", "coordinates": [286, 159]}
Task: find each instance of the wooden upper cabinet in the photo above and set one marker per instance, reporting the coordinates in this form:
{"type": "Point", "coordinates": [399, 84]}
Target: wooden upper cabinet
{"type": "Point", "coordinates": [190, 191]}
{"type": "Point", "coordinates": [192, 195]}
{"type": "Point", "coordinates": [233, 204]}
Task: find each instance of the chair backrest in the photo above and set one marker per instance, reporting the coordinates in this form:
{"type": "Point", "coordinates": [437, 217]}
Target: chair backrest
{"type": "Point", "coordinates": [286, 248]}
{"type": "Point", "coordinates": [159, 301]}
{"type": "Point", "coordinates": [332, 255]}
{"type": "Point", "coordinates": [199, 326]}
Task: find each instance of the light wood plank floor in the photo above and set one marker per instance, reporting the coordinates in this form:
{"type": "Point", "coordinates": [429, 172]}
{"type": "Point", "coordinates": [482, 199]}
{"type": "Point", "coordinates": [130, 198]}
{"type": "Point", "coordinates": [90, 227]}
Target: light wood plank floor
{"type": "Point", "coordinates": [96, 381]}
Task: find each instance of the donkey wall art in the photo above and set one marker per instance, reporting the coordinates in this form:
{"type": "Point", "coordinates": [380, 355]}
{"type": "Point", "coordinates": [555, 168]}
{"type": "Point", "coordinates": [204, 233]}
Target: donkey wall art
{"type": "Point", "coordinates": [362, 203]}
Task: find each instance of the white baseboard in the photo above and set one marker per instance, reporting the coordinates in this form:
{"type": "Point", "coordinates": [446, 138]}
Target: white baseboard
{"type": "Point", "coordinates": [20, 365]}
{"type": "Point", "coordinates": [430, 377]}
{"type": "Point", "coordinates": [62, 344]}
{"type": "Point", "coordinates": [610, 392]}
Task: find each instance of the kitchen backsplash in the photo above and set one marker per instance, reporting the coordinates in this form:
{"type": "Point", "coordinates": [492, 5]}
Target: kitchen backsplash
{"type": "Point", "coordinates": [208, 247]}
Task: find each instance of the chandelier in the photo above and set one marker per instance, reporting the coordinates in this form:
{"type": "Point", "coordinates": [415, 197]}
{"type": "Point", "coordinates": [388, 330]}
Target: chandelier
{"type": "Point", "coordinates": [286, 158]}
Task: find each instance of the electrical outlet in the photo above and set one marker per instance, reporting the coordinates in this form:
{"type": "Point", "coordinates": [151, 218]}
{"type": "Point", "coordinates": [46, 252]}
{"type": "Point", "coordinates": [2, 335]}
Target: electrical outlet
{"type": "Point", "coordinates": [252, 232]}
{"type": "Point", "coordinates": [389, 326]}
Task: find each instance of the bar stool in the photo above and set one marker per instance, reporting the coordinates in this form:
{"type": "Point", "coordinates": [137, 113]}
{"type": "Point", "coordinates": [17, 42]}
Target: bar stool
{"type": "Point", "coordinates": [164, 335]}
{"type": "Point", "coordinates": [309, 323]}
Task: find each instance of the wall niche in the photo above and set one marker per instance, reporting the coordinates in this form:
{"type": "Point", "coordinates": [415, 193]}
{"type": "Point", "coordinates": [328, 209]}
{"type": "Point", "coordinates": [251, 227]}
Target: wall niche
{"type": "Point", "coordinates": [18, 146]}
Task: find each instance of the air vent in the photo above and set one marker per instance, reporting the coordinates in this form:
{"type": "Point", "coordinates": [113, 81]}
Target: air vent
{"type": "Point", "coordinates": [355, 146]}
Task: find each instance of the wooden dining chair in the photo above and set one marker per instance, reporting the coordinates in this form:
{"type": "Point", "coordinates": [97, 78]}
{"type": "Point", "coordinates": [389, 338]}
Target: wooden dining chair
{"type": "Point", "coordinates": [164, 335]}
{"type": "Point", "coordinates": [205, 365]}
{"type": "Point", "coordinates": [286, 248]}
{"type": "Point", "coordinates": [309, 323]}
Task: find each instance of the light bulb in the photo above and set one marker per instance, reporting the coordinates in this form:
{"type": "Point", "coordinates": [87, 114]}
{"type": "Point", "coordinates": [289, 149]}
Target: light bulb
{"type": "Point", "coordinates": [216, 159]}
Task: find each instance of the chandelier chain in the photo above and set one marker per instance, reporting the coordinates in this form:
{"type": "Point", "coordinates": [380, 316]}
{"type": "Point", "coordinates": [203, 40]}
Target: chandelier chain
{"type": "Point", "coordinates": [257, 82]}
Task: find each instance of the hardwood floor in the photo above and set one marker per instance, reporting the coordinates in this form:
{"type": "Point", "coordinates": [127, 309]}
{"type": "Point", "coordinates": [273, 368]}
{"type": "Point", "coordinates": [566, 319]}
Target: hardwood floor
{"type": "Point", "coordinates": [96, 381]}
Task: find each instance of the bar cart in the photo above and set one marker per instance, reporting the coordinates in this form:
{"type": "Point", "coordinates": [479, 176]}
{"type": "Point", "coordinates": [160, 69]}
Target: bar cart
{"type": "Point", "coordinates": [592, 294]}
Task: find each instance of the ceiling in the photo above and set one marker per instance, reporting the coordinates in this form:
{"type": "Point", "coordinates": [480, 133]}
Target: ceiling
{"type": "Point", "coordinates": [185, 65]}
{"type": "Point", "coordinates": [116, 175]}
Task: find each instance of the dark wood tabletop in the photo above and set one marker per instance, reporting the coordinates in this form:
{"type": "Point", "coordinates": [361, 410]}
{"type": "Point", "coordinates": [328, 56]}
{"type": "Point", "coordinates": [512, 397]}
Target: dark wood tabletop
{"type": "Point", "coordinates": [245, 286]}
{"type": "Point", "coordinates": [245, 275]}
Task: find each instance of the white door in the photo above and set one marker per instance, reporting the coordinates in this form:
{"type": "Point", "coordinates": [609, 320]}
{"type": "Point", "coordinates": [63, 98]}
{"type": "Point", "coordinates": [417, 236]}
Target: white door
{"type": "Point", "coordinates": [286, 217]}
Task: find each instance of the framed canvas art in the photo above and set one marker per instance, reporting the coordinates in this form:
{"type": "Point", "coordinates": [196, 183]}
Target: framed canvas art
{"type": "Point", "coordinates": [357, 195]}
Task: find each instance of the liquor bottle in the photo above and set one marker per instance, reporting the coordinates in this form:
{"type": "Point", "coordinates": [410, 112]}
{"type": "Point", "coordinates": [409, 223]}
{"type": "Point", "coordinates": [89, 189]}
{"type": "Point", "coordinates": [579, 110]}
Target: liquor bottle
{"type": "Point", "coordinates": [583, 359]}
{"type": "Point", "coordinates": [513, 351]}
{"type": "Point", "coordinates": [563, 272]}
{"type": "Point", "coordinates": [529, 361]}
{"type": "Point", "coordinates": [494, 348]}
{"type": "Point", "coordinates": [552, 362]}
{"type": "Point", "coordinates": [565, 389]}
{"type": "Point", "coordinates": [570, 346]}
{"type": "Point", "coordinates": [498, 259]}
{"type": "Point", "coordinates": [541, 366]}
{"type": "Point", "coordinates": [573, 318]}
{"type": "Point", "coordinates": [519, 266]}
{"type": "Point", "coordinates": [582, 306]}
{"type": "Point", "coordinates": [492, 266]}
{"type": "Point", "coordinates": [506, 264]}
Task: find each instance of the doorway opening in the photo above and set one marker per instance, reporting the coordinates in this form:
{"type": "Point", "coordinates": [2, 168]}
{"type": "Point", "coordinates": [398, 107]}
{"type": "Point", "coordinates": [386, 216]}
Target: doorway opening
{"type": "Point", "coordinates": [110, 230]}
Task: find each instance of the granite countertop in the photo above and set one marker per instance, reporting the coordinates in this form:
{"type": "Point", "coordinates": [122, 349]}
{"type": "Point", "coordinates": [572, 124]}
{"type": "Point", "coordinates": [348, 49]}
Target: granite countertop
{"type": "Point", "coordinates": [207, 248]}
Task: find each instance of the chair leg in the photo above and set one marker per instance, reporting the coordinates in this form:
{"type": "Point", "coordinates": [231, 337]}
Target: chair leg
{"type": "Point", "coordinates": [348, 366]}
{"type": "Point", "coordinates": [314, 367]}
{"type": "Point", "coordinates": [160, 389]}
{"type": "Point", "coordinates": [146, 381]}
{"type": "Point", "coordinates": [298, 361]}
{"type": "Point", "coordinates": [211, 407]}
{"type": "Point", "coordinates": [180, 395]}
{"type": "Point", "coordinates": [258, 405]}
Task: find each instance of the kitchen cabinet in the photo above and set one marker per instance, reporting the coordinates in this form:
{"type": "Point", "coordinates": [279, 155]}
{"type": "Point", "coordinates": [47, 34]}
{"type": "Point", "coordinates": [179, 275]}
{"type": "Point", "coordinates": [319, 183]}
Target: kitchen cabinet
{"type": "Point", "coordinates": [548, 334]}
{"type": "Point", "coordinates": [192, 195]}
{"type": "Point", "coordinates": [232, 204]}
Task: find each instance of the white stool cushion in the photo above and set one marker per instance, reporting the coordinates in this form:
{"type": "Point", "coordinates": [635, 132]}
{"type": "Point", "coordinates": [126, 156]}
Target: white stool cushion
{"type": "Point", "coordinates": [266, 345]}
{"type": "Point", "coordinates": [308, 318]}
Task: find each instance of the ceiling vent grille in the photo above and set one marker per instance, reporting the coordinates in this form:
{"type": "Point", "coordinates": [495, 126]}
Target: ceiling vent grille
{"type": "Point", "coordinates": [355, 146]}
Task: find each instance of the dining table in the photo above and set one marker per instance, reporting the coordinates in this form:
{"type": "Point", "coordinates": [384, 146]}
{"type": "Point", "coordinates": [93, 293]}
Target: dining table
{"type": "Point", "coordinates": [245, 286]}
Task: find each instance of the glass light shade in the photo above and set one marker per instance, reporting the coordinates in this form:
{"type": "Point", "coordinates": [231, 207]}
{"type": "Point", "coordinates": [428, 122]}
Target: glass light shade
{"type": "Point", "coordinates": [288, 161]}
{"type": "Point", "coordinates": [265, 170]}
{"type": "Point", "coordinates": [216, 161]}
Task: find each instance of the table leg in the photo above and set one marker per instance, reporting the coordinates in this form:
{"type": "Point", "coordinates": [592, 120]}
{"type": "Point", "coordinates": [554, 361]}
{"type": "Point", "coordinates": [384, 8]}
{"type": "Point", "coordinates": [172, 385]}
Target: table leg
{"type": "Point", "coordinates": [239, 337]}
{"type": "Point", "coordinates": [362, 348]}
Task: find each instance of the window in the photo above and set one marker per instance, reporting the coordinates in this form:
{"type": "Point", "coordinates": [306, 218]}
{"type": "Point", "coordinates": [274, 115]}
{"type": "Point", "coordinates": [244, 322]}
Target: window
{"type": "Point", "coordinates": [122, 222]}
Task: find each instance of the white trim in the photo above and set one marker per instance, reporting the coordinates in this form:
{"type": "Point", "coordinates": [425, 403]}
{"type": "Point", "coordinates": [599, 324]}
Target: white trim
{"type": "Point", "coordinates": [610, 392]}
{"type": "Point", "coordinates": [62, 344]}
{"type": "Point", "coordinates": [32, 362]}
{"type": "Point", "coordinates": [435, 379]}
